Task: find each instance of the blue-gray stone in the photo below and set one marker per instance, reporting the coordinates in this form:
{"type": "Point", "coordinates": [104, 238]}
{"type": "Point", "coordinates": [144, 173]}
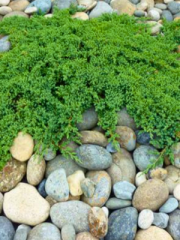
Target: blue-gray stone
{"type": "Point", "coordinates": [166, 14]}
{"type": "Point", "coordinates": [176, 15]}
{"type": "Point", "coordinates": [115, 203]}
{"type": "Point", "coordinates": [174, 7]}
{"type": "Point", "coordinates": [89, 120]}
{"type": "Point", "coordinates": [124, 190]}
{"type": "Point", "coordinates": [174, 225]}
{"type": "Point", "coordinates": [42, 6]}
{"type": "Point", "coordinates": [169, 206]}
{"type": "Point", "coordinates": [4, 44]}
{"type": "Point", "coordinates": [22, 232]}
{"type": "Point", "coordinates": [139, 13]}
{"type": "Point", "coordinates": [143, 137]}
{"type": "Point", "coordinates": [112, 148]}
{"type": "Point", "coordinates": [161, 6]}
{"type": "Point", "coordinates": [93, 157]}
{"type": "Point", "coordinates": [62, 4]}
{"type": "Point", "coordinates": [88, 187]}
{"type": "Point", "coordinates": [161, 220]}
{"type": "Point", "coordinates": [122, 224]}
{"type": "Point", "coordinates": [145, 155]}
{"type": "Point", "coordinates": [135, 1]}
{"type": "Point", "coordinates": [6, 229]}
{"type": "Point", "coordinates": [100, 8]}
{"type": "Point", "coordinates": [41, 189]}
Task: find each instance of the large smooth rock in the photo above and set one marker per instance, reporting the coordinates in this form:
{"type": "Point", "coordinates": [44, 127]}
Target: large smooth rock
{"type": "Point", "coordinates": [173, 177]}
{"type": "Point", "coordinates": [153, 233]}
{"type": "Point", "coordinates": [102, 190]}
{"type": "Point", "coordinates": [145, 219]}
{"type": "Point", "coordinates": [174, 224]}
{"type": "Point", "coordinates": [100, 8]}
{"type": "Point", "coordinates": [161, 220]}
{"type": "Point", "coordinates": [123, 7]}
{"type": "Point", "coordinates": [169, 206]}
{"type": "Point", "coordinates": [60, 162]}
{"type": "Point", "coordinates": [127, 137]}
{"type": "Point", "coordinates": [25, 205]}
{"type": "Point", "coordinates": [85, 236]}
{"type": "Point", "coordinates": [124, 119]}
{"type": "Point", "coordinates": [72, 212]}
{"type": "Point", "coordinates": [35, 170]}
{"type": "Point", "coordinates": [61, 4]}
{"type": "Point", "coordinates": [122, 224]}
{"type": "Point", "coordinates": [19, 5]}
{"type": "Point", "coordinates": [22, 147]}
{"type": "Point", "coordinates": [42, 6]}
{"type": "Point", "coordinates": [150, 195]}
{"type": "Point", "coordinates": [5, 45]}
{"type": "Point", "coordinates": [89, 120]}
{"type": "Point", "coordinates": [44, 231]}
{"type": "Point", "coordinates": [93, 137]}
{"type": "Point", "coordinates": [74, 182]}
{"type": "Point", "coordinates": [57, 185]}
{"type": "Point", "coordinates": [22, 232]}
{"type": "Point", "coordinates": [124, 190]}
{"type": "Point", "coordinates": [122, 168]}
{"type": "Point", "coordinates": [115, 203]}
{"type": "Point", "coordinates": [6, 229]}
{"type": "Point", "coordinates": [11, 175]}
{"type": "Point", "coordinates": [68, 232]}
{"type": "Point", "coordinates": [93, 157]}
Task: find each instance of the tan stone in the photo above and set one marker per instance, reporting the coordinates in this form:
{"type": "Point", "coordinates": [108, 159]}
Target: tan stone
{"type": "Point", "coordinates": [81, 16]}
{"type": "Point", "coordinates": [177, 192]}
{"type": "Point", "coordinates": [85, 3]}
{"type": "Point", "coordinates": [98, 222]}
{"type": "Point", "coordinates": [93, 137]}
{"type": "Point", "coordinates": [150, 3]}
{"type": "Point", "coordinates": [159, 173]}
{"type": "Point", "coordinates": [23, 146]}
{"type": "Point", "coordinates": [51, 201]}
{"type": "Point", "coordinates": [173, 177]}
{"type": "Point", "coordinates": [123, 6]}
{"type": "Point", "coordinates": [5, 10]}
{"type": "Point", "coordinates": [19, 5]}
{"type": "Point", "coordinates": [153, 233]}
{"type": "Point", "coordinates": [74, 182]}
{"type": "Point", "coordinates": [127, 137]}
{"type": "Point", "coordinates": [35, 170]}
{"type": "Point", "coordinates": [4, 2]}
{"type": "Point", "coordinates": [85, 236]}
{"type": "Point", "coordinates": [16, 13]}
{"type": "Point", "coordinates": [142, 6]}
{"type": "Point", "coordinates": [150, 195]}
{"type": "Point", "coordinates": [11, 175]}
{"type": "Point", "coordinates": [1, 202]}
{"type": "Point", "coordinates": [25, 205]}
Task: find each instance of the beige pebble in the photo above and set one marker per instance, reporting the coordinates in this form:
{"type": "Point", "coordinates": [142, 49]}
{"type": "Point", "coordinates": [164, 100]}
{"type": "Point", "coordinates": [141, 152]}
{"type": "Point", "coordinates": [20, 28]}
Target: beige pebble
{"type": "Point", "coordinates": [81, 16]}
{"type": "Point", "coordinates": [5, 10]}
{"type": "Point", "coordinates": [177, 192]}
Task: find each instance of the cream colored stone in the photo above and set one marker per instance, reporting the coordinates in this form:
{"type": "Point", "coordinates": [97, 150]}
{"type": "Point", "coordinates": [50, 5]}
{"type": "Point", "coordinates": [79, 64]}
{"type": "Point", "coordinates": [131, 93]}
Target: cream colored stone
{"type": "Point", "coordinates": [85, 3]}
{"type": "Point", "coordinates": [159, 173]}
{"type": "Point", "coordinates": [150, 3]}
{"type": "Point", "coordinates": [85, 236]}
{"type": "Point", "coordinates": [4, 2]}
{"type": "Point", "coordinates": [74, 181]}
{"type": "Point", "coordinates": [50, 15]}
{"type": "Point", "coordinates": [123, 6]}
{"type": "Point", "coordinates": [23, 146]}
{"type": "Point", "coordinates": [25, 205]}
{"type": "Point", "coordinates": [142, 6]}
{"type": "Point", "coordinates": [31, 10]}
{"type": "Point", "coordinates": [5, 10]}
{"type": "Point", "coordinates": [177, 192]}
{"type": "Point", "coordinates": [81, 16]}
{"type": "Point", "coordinates": [35, 170]}
{"type": "Point", "coordinates": [19, 5]}
{"type": "Point", "coordinates": [145, 219]}
{"type": "Point", "coordinates": [140, 178]}
{"type": "Point", "coordinates": [106, 211]}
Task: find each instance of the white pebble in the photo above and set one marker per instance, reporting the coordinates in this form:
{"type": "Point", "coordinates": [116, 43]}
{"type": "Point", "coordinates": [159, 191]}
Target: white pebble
{"type": "Point", "coordinates": [154, 15]}
{"type": "Point", "coordinates": [4, 2]}
{"type": "Point", "coordinates": [140, 178]}
{"type": "Point", "coordinates": [177, 192]}
{"type": "Point", "coordinates": [146, 218]}
{"type": "Point", "coordinates": [31, 10]}
{"type": "Point", "coordinates": [5, 10]}
{"type": "Point", "coordinates": [106, 211]}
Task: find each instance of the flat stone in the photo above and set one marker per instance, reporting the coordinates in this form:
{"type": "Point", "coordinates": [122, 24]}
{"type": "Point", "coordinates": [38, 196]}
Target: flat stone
{"type": "Point", "coordinates": [6, 229]}
{"type": "Point", "coordinates": [74, 182]}
{"type": "Point", "coordinates": [72, 212]}
{"type": "Point", "coordinates": [161, 220]}
{"type": "Point", "coordinates": [85, 236]}
{"type": "Point", "coordinates": [19, 5]}
{"type": "Point", "coordinates": [89, 120]}
{"type": "Point", "coordinates": [42, 6]}
{"type": "Point", "coordinates": [169, 206]}
{"type": "Point", "coordinates": [57, 186]}
{"type": "Point", "coordinates": [140, 178]}
{"type": "Point", "coordinates": [123, 7]}
{"type": "Point", "coordinates": [5, 45]}
{"type": "Point", "coordinates": [61, 4]}
{"type": "Point", "coordinates": [93, 137]}
{"type": "Point", "coordinates": [115, 203]}
{"type": "Point", "coordinates": [124, 119]}
{"type": "Point", "coordinates": [100, 8]}
{"type": "Point", "coordinates": [174, 224]}
{"type": "Point", "coordinates": [19, 14]}
{"type": "Point", "coordinates": [88, 187]}
{"type": "Point", "coordinates": [93, 157]}
{"type": "Point", "coordinates": [176, 192]}
{"type": "Point", "coordinates": [22, 232]}
{"type": "Point", "coordinates": [68, 232]}
{"type": "Point", "coordinates": [102, 190]}
{"type": "Point", "coordinates": [41, 189]}
{"type": "Point", "coordinates": [5, 10]}
{"type": "Point", "coordinates": [12, 173]}
{"type": "Point", "coordinates": [25, 205]}
{"type": "Point", "coordinates": [124, 190]}
{"type": "Point", "coordinates": [145, 219]}
{"type": "Point", "coordinates": [173, 177]}
{"type": "Point", "coordinates": [127, 137]}
{"type": "Point", "coordinates": [4, 2]}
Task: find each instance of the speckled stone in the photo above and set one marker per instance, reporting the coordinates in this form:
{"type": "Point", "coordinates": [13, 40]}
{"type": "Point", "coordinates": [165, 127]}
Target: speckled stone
{"type": "Point", "coordinates": [88, 187]}
{"type": "Point", "coordinates": [68, 232]}
{"type": "Point", "coordinates": [115, 203]}
{"type": "Point", "coordinates": [127, 137]}
{"type": "Point", "coordinates": [6, 229]}
{"type": "Point", "coordinates": [143, 137]}
{"type": "Point", "coordinates": [89, 120]}
{"type": "Point", "coordinates": [169, 206]}
{"type": "Point", "coordinates": [174, 224]}
{"type": "Point", "coordinates": [161, 220]}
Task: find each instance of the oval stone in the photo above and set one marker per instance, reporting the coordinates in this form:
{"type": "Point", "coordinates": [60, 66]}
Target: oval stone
{"type": "Point", "coordinates": [102, 190]}
{"type": "Point", "coordinates": [93, 137]}
{"type": "Point", "coordinates": [127, 137]}
{"type": "Point", "coordinates": [6, 229]}
{"type": "Point", "coordinates": [115, 203]}
{"type": "Point", "coordinates": [161, 220]}
{"type": "Point", "coordinates": [72, 212]}
{"type": "Point", "coordinates": [145, 219]}
{"type": "Point", "coordinates": [169, 206]}
{"type": "Point", "coordinates": [124, 190]}
{"type": "Point", "coordinates": [124, 119]}
{"type": "Point", "coordinates": [93, 157]}
{"type": "Point", "coordinates": [89, 120]}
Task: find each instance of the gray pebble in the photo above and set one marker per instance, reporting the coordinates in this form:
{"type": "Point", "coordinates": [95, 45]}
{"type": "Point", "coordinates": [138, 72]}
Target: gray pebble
{"type": "Point", "coordinates": [111, 148]}
{"type": "Point", "coordinates": [174, 7]}
{"type": "Point", "coordinates": [89, 120]}
{"type": "Point", "coordinates": [161, 220]}
{"type": "Point", "coordinates": [4, 44]}
{"type": "Point", "coordinates": [6, 229]}
{"type": "Point", "coordinates": [167, 15]}
{"type": "Point", "coordinates": [100, 8]}
{"type": "Point", "coordinates": [161, 6]}
{"type": "Point", "coordinates": [22, 232]}
{"type": "Point", "coordinates": [124, 190]}
{"type": "Point", "coordinates": [139, 13]}
{"type": "Point", "coordinates": [169, 206]}
{"type": "Point", "coordinates": [115, 203]}
{"type": "Point", "coordinates": [41, 189]}
{"type": "Point", "coordinates": [68, 232]}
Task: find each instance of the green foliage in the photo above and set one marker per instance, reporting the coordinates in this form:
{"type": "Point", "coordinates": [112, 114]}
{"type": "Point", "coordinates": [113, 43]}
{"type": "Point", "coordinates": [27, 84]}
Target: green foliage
{"type": "Point", "coordinates": [59, 67]}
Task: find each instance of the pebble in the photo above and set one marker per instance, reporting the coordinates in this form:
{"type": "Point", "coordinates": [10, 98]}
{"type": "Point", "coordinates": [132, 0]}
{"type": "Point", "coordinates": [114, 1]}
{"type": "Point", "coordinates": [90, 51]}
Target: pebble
{"type": "Point", "coordinates": [124, 190]}
{"type": "Point", "coordinates": [4, 2]}
{"type": "Point", "coordinates": [140, 178]}
{"type": "Point", "coordinates": [153, 233]}
{"type": "Point", "coordinates": [161, 6]}
{"type": "Point", "coordinates": [113, 148]}
{"type": "Point", "coordinates": [22, 232]}
{"type": "Point", "coordinates": [115, 203]}
{"type": "Point", "coordinates": [143, 156]}
{"type": "Point", "coordinates": [49, 154]}
{"type": "Point", "coordinates": [93, 157]}
{"type": "Point", "coordinates": [35, 170]}
{"type": "Point", "coordinates": [41, 189]}
{"type": "Point", "coordinates": [12, 173]}
{"type": "Point", "coordinates": [85, 236]}
{"type": "Point", "coordinates": [161, 220]}
{"type": "Point", "coordinates": [106, 211]}
{"type": "Point", "coordinates": [60, 162]}
{"type": "Point", "coordinates": [6, 229]}
{"type": "Point", "coordinates": [102, 190]}
{"type": "Point", "coordinates": [145, 219]}
{"type": "Point", "coordinates": [5, 10]}
{"type": "Point", "coordinates": [81, 16]}
{"type": "Point", "coordinates": [42, 6]}
{"type": "Point", "coordinates": [123, 6]}
{"type": "Point", "coordinates": [124, 119]}
{"type": "Point", "coordinates": [57, 186]}
{"type": "Point", "coordinates": [127, 137]}
{"type": "Point", "coordinates": [49, 15]}
{"type": "Point", "coordinates": [23, 146]}
{"type": "Point", "coordinates": [68, 232]}
{"type": "Point", "coordinates": [150, 195]}
{"type": "Point", "coordinates": [173, 177]}
{"type": "Point", "coordinates": [154, 15]}
{"type": "Point", "coordinates": [85, 3]}
{"type": "Point", "coordinates": [98, 222]}
{"type": "Point", "coordinates": [5, 45]}
{"type": "Point", "coordinates": [176, 147]}
{"type": "Point", "coordinates": [174, 7]}
{"type": "Point", "coordinates": [44, 231]}
{"type": "Point", "coordinates": [169, 206]}
{"type": "Point", "coordinates": [159, 173]}
{"type": "Point", "coordinates": [88, 187]}
{"type": "Point", "coordinates": [155, 27]}
{"type": "Point", "coordinates": [25, 205]}
{"type": "Point", "coordinates": [122, 168]}
{"type": "Point", "coordinates": [31, 10]}
{"type": "Point", "coordinates": [19, 14]}
{"type": "Point", "coordinates": [19, 5]}
{"type": "Point", "coordinates": [74, 182]}
{"type": "Point", "coordinates": [89, 120]}
{"type": "Point", "coordinates": [176, 192]}
{"type": "Point", "coordinates": [142, 6]}
{"type": "Point", "coordinates": [139, 13]}
{"type": "Point", "coordinates": [93, 137]}
{"type": "Point", "coordinates": [1, 202]}
{"type": "Point", "coordinates": [143, 137]}
{"type": "Point", "coordinates": [100, 8]}
{"type": "Point", "coordinates": [174, 223]}
{"type": "Point", "coordinates": [122, 224]}
{"type": "Point", "coordinates": [72, 212]}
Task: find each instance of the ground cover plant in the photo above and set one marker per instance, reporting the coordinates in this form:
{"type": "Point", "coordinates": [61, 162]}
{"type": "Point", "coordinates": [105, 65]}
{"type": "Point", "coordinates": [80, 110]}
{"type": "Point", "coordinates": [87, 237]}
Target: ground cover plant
{"type": "Point", "coordinates": [59, 67]}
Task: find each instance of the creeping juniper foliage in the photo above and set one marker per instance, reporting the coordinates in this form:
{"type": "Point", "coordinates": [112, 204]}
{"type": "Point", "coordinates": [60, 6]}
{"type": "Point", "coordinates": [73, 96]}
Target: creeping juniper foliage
{"type": "Point", "coordinates": [59, 67]}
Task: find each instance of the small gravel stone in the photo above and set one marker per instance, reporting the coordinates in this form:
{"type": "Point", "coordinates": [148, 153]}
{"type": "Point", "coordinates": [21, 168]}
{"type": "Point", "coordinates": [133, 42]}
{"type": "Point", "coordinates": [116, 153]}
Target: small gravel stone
{"type": "Point", "coordinates": [174, 7]}
{"type": "Point", "coordinates": [41, 189]}
{"type": "Point", "coordinates": [139, 13]}
{"type": "Point", "coordinates": [115, 203]}
{"type": "Point", "coordinates": [5, 10]}
{"type": "Point", "coordinates": [167, 15]}
{"type": "Point", "coordinates": [161, 6]}
{"type": "Point", "coordinates": [111, 148]}
{"type": "Point", "coordinates": [124, 190]}
{"type": "Point", "coordinates": [154, 15]}
{"type": "Point", "coordinates": [22, 232]}
{"type": "Point", "coordinates": [169, 206]}
{"type": "Point", "coordinates": [145, 219]}
{"type": "Point", "coordinates": [4, 44]}
{"type": "Point", "coordinates": [140, 178]}
{"type": "Point", "coordinates": [6, 229]}
{"type": "Point", "coordinates": [88, 187]}
{"type": "Point", "coordinates": [68, 232]}
{"type": "Point", "coordinates": [49, 154]}
{"type": "Point", "coordinates": [161, 220]}
{"type": "Point", "coordinates": [177, 192]}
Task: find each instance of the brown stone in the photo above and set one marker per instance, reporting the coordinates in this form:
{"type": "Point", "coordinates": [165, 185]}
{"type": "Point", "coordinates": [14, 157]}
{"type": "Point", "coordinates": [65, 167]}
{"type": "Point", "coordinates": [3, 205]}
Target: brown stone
{"type": "Point", "coordinates": [11, 175]}
{"type": "Point", "coordinates": [85, 236]}
{"type": "Point", "coordinates": [19, 5]}
{"type": "Point", "coordinates": [123, 6]}
{"type": "Point", "coordinates": [173, 177]}
{"type": "Point", "coordinates": [153, 233]}
{"type": "Point", "coordinates": [152, 194]}
{"type": "Point", "coordinates": [16, 13]}
{"type": "Point", "coordinates": [127, 137]}
{"type": "Point", "coordinates": [93, 137]}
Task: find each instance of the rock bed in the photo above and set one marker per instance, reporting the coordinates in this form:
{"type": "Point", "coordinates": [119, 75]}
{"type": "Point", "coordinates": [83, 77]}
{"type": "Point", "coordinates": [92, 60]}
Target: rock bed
{"type": "Point", "coordinates": [105, 195]}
